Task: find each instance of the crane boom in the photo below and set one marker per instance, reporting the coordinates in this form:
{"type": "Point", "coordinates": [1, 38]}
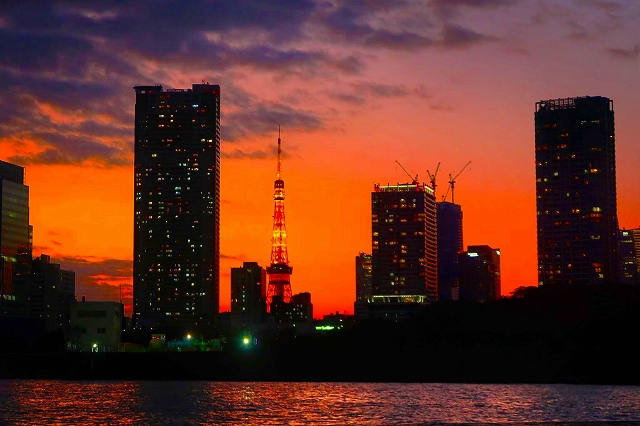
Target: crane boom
{"type": "Point", "coordinates": [452, 181]}
{"type": "Point", "coordinates": [465, 166]}
{"type": "Point", "coordinates": [444, 197]}
{"type": "Point", "coordinates": [432, 177]}
{"type": "Point", "coordinates": [413, 179]}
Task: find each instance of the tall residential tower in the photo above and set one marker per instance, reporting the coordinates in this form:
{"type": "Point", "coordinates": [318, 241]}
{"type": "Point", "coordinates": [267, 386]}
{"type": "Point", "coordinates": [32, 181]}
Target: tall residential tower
{"type": "Point", "coordinates": [177, 208]}
{"type": "Point", "coordinates": [576, 191]}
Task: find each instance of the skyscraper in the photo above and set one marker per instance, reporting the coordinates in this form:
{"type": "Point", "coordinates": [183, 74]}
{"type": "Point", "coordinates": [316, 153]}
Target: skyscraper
{"type": "Point", "coordinates": [177, 208]}
{"type": "Point", "coordinates": [404, 270]}
{"type": "Point", "coordinates": [449, 246]}
{"type": "Point", "coordinates": [480, 279]}
{"type": "Point", "coordinates": [576, 191]}
{"type": "Point", "coordinates": [14, 233]}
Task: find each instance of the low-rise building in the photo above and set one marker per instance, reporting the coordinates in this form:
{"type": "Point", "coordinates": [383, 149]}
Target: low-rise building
{"type": "Point", "coordinates": [96, 326]}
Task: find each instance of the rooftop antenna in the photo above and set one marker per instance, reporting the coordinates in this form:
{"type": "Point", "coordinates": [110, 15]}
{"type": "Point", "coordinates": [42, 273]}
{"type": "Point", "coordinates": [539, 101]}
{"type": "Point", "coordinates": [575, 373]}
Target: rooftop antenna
{"type": "Point", "coordinates": [279, 154]}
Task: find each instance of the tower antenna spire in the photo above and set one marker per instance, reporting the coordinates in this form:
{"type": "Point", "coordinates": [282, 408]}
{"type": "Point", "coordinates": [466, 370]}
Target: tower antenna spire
{"type": "Point", "coordinates": [279, 170]}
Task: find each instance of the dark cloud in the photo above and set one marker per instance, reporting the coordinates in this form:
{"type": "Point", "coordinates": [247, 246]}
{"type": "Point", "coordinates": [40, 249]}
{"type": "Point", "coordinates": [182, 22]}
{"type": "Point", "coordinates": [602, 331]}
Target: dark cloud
{"type": "Point", "coordinates": [138, 22]}
{"type": "Point", "coordinates": [362, 91]}
{"type": "Point", "coordinates": [289, 151]}
{"type": "Point", "coordinates": [65, 149]}
{"type": "Point", "coordinates": [348, 65]}
{"type": "Point", "coordinates": [236, 257]}
{"type": "Point", "coordinates": [604, 5]}
{"type": "Point", "coordinates": [347, 23]}
{"type": "Point", "coordinates": [454, 36]}
{"type": "Point", "coordinates": [447, 9]}
{"type": "Point", "coordinates": [625, 53]}
{"type": "Point", "coordinates": [44, 53]}
{"type": "Point", "coordinates": [80, 60]}
{"type": "Point", "coordinates": [349, 98]}
{"type": "Point", "coordinates": [71, 59]}
{"type": "Point", "coordinates": [440, 107]}
{"type": "Point", "coordinates": [382, 90]}
{"type": "Point", "coordinates": [263, 117]}
{"type": "Point", "coordinates": [91, 265]}
{"type": "Point", "coordinates": [252, 155]}
{"type": "Point", "coordinates": [576, 31]}
{"type": "Point", "coordinates": [398, 41]}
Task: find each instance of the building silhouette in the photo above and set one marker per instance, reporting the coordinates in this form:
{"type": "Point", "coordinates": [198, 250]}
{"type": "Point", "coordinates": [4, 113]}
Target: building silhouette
{"type": "Point", "coordinates": [15, 242]}
{"type": "Point", "coordinates": [299, 310]}
{"type": "Point", "coordinates": [480, 279]}
{"type": "Point", "coordinates": [629, 244]}
{"type": "Point", "coordinates": [177, 209]}
{"type": "Point", "coordinates": [363, 285]}
{"type": "Point", "coordinates": [52, 291]}
{"type": "Point", "coordinates": [449, 217]}
{"type": "Point", "coordinates": [248, 295]}
{"type": "Point", "coordinates": [577, 217]}
{"type": "Point", "coordinates": [404, 272]}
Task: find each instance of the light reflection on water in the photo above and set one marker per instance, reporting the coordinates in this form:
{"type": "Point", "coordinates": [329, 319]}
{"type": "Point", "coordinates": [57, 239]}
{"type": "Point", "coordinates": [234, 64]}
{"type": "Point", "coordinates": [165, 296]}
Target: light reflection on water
{"type": "Point", "coordinates": [27, 402]}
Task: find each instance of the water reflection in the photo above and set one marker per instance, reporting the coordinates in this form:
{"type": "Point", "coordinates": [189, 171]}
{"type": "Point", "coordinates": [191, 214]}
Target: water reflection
{"type": "Point", "coordinates": [27, 402]}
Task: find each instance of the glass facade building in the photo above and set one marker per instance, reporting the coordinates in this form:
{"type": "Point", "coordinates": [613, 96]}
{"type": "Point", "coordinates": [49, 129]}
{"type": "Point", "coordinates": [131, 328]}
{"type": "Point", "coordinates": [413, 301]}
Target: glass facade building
{"type": "Point", "coordinates": [577, 220]}
{"type": "Point", "coordinates": [14, 234]}
{"type": "Point", "coordinates": [177, 209]}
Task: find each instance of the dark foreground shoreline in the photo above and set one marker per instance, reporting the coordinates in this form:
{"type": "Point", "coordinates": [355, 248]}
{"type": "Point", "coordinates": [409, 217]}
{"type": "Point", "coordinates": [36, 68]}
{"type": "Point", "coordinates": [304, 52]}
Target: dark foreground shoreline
{"type": "Point", "coordinates": [474, 365]}
{"type": "Point", "coordinates": [563, 335]}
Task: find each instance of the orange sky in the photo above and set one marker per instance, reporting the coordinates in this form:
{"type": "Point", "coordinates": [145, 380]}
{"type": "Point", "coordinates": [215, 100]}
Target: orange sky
{"type": "Point", "coordinates": [355, 86]}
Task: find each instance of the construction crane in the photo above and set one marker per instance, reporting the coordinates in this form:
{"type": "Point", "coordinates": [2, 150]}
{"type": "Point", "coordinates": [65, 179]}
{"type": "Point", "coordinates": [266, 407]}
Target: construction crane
{"type": "Point", "coordinates": [432, 178]}
{"type": "Point", "coordinates": [414, 180]}
{"type": "Point", "coordinates": [452, 183]}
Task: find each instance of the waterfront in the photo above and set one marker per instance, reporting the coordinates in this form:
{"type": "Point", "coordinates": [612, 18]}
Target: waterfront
{"type": "Point", "coordinates": [27, 402]}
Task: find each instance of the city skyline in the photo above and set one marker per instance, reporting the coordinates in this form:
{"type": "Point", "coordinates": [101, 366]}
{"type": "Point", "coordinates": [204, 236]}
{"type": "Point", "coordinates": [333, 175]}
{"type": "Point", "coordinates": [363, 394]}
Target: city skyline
{"type": "Point", "coordinates": [354, 86]}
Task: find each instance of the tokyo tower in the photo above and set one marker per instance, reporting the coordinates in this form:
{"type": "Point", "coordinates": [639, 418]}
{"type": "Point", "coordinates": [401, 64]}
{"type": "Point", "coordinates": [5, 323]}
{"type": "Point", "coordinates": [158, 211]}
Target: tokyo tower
{"type": "Point", "coordinates": [279, 271]}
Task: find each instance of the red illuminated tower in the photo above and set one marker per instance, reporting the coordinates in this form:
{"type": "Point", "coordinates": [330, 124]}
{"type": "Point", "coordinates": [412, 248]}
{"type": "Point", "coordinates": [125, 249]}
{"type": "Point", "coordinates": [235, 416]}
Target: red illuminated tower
{"type": "Point", "coordinates": [279, 271]}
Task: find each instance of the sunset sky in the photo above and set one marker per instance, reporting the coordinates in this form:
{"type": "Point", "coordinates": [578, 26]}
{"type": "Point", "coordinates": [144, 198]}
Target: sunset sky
{"type": "Point", "coordinates": [354, 84]}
